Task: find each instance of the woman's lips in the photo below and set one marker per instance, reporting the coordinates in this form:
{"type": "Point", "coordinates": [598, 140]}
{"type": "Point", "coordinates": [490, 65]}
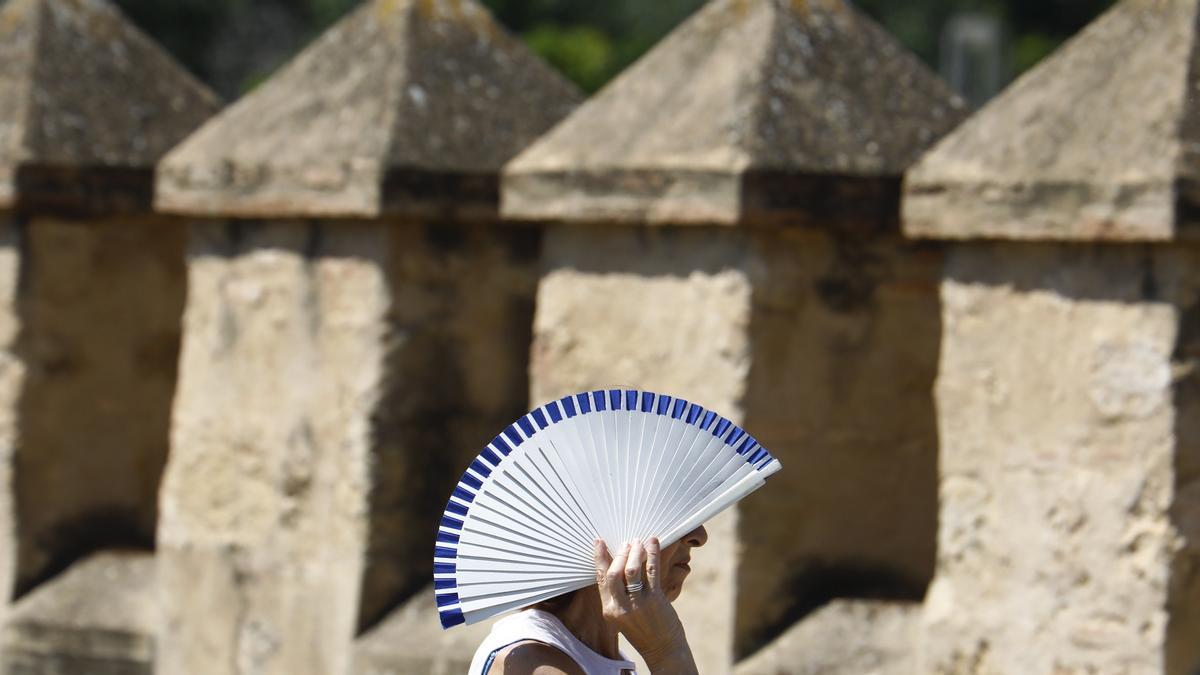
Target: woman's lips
{"type": "Point", "coordinates": [684, 566]}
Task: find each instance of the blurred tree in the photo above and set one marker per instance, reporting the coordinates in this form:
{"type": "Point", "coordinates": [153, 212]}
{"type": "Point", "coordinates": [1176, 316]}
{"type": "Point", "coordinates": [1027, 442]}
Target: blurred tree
{"type": "Point", "coordinates": [590, 41]}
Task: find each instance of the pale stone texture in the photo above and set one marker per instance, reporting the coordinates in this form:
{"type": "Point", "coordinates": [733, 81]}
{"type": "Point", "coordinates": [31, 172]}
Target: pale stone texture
{"type": "Point", "coordinates": [825, 347]}
{"type": "Point", "coordinates": [1097, 142]}
{"type": "Point", "coordinates": [98, 618]}
{"type": "Point", "coordinates": [665, 311]}
{"type": "Point", "coordinates": [408, 642]}
{"type": "Point", "coordinates": [335, 378]}
{"type": "Point", "coordinates": [845, 637]}
{"type": "Point", "coordinates": [812, 321]}
{"type": "Point", "coordinates": [92, 288]}
{"type": "Point", "coordinates": [751, 111]}
{"type": "Point", "coordinates": [404, 107]}
{"type": "Point", "coordinates": [339, 374]}
{"type": "Point", "coordinates": [89, 104]}
{"type": "Point", "coordinates": [263, 522]}
{"type": "Point", "coordinates": [1070, 464]}
{"type": "Point", "coordinates": [1067, 392]}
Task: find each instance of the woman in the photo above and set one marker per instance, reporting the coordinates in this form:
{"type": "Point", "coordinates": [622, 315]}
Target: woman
{"type": "Point", "coordinates": [576, 634]}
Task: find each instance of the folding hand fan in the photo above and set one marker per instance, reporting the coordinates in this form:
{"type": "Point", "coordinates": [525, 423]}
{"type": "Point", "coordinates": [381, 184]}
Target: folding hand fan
{"type": "Point", "coordinates": [618, 464]}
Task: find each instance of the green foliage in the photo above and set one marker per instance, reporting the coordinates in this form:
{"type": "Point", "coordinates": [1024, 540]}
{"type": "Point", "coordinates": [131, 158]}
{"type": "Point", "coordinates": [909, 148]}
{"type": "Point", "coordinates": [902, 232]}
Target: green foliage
{"type": "Point", "coordinates": [592, 41]}
{"type": "Point", "coordinates": [585, 53]}
{"type": "Point", "coordinates": [1030, 48]}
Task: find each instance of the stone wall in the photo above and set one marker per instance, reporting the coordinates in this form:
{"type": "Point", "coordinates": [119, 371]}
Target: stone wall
{"type": "Point", "coordinates": [844, 336]}
{"type": "Point", "coordinates": [1069, 462]}
{"type": "Point", "coordinates": [665, 310]}
{"type": "Point", "coordinates": [991, 449]}
{"type": "Point", "coordinates": [100, 304]}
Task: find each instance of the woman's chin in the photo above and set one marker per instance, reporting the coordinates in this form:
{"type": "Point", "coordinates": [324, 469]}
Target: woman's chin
{"type": "Point", "coordinates": [674, 585]}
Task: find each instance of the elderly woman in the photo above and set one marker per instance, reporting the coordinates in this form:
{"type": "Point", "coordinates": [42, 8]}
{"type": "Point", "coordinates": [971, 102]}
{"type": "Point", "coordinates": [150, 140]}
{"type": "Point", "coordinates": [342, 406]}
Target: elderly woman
{"type": "Point", "coordinates": [576, 633]}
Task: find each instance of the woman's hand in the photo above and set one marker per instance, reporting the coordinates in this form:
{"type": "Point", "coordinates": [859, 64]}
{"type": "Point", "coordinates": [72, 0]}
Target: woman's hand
{"type": "Point", "coordinates": [645, 617]}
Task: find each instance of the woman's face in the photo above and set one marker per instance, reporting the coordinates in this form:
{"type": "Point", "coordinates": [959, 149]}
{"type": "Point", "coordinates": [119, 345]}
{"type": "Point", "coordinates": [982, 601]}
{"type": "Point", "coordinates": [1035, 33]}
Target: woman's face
{"type": "Point", "coordinates": [676, 559]}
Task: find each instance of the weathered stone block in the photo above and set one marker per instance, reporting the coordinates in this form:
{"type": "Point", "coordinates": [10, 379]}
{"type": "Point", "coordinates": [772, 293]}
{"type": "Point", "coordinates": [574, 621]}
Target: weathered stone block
{"type": "Point", "coordinates": [845, 637]}
{"type": "Point", "coordinates": [335, 378]}
{"type": "Point", "coordinates": [824, 347]}
{"type": "Point", "coordinates": [410, 640]}
{"type": "Point", "coordinates": [90, 103]}
{"type": "Point", "coordinates": [404, 108]}
{"type": "Point", "coordinates": [100, 304]}
{"type": "Point", "coordinates": [665, 310]}
{"type": "Point", "coordinates": [1068, 402]}
{"type": "Point", "coordinates": [98, 618]}
{"type": "Point", "coordinates": [844, 339]}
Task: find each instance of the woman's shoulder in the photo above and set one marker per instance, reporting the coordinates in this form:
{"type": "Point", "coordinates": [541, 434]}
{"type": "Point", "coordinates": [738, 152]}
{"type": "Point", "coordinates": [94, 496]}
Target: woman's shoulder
{"type": "Point", "coordinates": [533, 658]}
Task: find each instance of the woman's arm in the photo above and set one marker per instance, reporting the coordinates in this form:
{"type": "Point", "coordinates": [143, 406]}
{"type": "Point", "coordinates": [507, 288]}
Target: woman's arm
{"type": "Point", "coordinates": [645, 617]}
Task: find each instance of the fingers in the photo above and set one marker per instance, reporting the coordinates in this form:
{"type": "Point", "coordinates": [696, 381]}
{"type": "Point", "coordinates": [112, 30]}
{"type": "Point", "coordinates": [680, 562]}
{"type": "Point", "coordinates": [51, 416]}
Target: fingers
{"type": "Point", "coordinates": [602, 560]}
{"type": "Point", "coordinates": [614, 576]}
{"type": "Point", "coordinates": [633, 566]}
{"type": "Point", "coordinates": [653, 560]}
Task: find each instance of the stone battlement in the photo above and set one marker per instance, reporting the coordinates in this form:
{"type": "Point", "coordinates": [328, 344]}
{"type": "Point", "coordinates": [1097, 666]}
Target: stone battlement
{"type": "Point", "coordinates": [245, 353]}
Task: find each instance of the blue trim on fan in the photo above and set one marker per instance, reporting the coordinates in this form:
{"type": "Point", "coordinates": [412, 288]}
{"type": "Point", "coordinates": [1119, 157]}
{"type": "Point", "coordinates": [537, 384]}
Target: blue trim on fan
{"type": "Point", "coordinates": [499, 444]}
{"type": "Point", "coordinates": [511, 434]}
{"type": "Point", "coordinates": [736, 436]}
{"type": "Point", "coordinates": [722, 427]}
{"type": "Point", "coordinates": [451, 618]}
{"type": "Point", "coordinates": [680, 406]}
{"type": "Point", "coordinates": [524, 428]}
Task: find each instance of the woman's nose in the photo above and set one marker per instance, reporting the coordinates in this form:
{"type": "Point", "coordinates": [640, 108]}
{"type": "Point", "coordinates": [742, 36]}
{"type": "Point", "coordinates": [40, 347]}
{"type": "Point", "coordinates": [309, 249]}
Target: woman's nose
{"type": "Point", "coordinates": [697, 537]}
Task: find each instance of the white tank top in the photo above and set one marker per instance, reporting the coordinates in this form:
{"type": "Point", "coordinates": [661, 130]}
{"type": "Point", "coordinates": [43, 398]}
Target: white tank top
{"type": "Point", "coordinates": [544, 627]}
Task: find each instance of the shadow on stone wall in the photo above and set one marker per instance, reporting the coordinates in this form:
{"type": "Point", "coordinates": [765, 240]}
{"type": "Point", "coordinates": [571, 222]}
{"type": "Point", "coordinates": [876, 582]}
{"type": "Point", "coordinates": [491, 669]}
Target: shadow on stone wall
{"type": "Point", "coordinates": [1183, 649]}
{"type": "Point", "coordinates": [99, 306]}
{"type": "Point", "coordinates": [845, 334]}
{"type": "Point", "coordinates": [457, 372]}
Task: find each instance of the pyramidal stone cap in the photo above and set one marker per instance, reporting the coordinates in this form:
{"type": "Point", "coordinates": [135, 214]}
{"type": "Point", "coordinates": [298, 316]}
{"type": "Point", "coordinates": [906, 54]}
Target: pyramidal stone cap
{"type": "Point", "coordinates": [88, 105]}
{"type": "Point", "coordinates": [752, 111]}
{"type": "Point", "coordinates": [405, 107]}
{"type": "Point", "coordinates": [1096, 143]}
